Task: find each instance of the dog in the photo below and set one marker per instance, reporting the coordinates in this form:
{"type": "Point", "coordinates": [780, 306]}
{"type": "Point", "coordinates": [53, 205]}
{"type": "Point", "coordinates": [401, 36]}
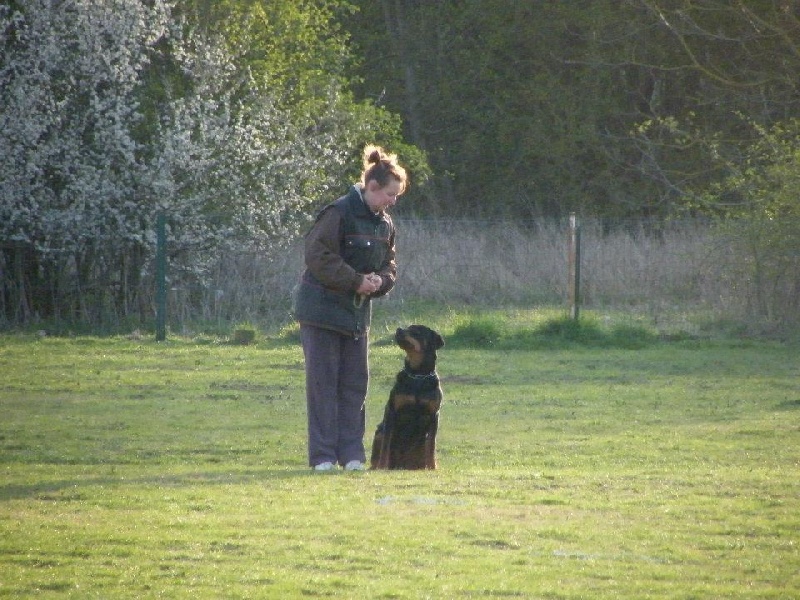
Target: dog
{"type": "Point", "coordinates": [406, 438]}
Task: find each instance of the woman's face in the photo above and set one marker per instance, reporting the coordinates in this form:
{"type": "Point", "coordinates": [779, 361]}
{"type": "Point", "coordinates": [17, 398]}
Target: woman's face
{"type": "Point", "coordinates": [380, 198]}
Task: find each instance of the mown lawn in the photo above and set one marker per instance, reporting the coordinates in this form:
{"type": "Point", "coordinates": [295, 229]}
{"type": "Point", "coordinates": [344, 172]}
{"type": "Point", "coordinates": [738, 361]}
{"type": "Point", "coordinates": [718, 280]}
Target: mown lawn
{"type": "Point", "coordinates": [132, 469]}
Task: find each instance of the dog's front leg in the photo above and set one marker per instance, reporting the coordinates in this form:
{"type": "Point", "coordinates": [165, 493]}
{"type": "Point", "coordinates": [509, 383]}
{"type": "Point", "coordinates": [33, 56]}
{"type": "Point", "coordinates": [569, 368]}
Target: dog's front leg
{"type": "Point", "coordinates": [430, 443]}
{"type": "Point", "coordinates": [377, 445]}
{"type": "Point", "coordinates": [384, 457]}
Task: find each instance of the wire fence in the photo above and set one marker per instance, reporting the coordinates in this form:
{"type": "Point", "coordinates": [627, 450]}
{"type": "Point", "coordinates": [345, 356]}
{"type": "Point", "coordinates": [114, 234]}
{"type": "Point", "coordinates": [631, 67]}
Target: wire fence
{"type": "Point", "coordinates": [739, 271]}
{"type": "Point", "coordinates": [657, 269]}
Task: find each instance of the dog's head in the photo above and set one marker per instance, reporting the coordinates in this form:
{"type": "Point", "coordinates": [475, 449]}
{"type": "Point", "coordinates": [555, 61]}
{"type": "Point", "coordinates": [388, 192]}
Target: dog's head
{"type": "Point", "coordinates": [420, 344]}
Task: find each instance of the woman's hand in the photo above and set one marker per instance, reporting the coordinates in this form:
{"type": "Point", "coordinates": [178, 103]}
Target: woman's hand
{"type": "Point", "coordinates": [370, 284]}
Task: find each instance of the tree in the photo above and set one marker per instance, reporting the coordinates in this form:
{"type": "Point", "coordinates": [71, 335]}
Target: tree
{"type": "Point", "coordinates": [725, 59]}
{"type": "Point", "coordinates": [758, 206]}
{"type": "Point", "coordinates": [541, 108]}
{"type": "Point", "coordinates": [500, 94]}
{"type": "Point", "coordinates": [68, 79]}
{"type": "Point", "coordinates": [299, 53]}
{"type": "Point", "coordinates": [114, 110]}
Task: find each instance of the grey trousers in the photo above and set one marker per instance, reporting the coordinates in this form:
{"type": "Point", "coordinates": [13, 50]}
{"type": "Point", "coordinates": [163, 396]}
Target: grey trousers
{"type": "Point", "coordinates": [337, 376]}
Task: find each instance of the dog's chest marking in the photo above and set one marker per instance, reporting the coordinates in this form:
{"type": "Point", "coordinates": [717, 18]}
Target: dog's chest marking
{"type": "Point", "coordinates": [431, 402]}
{"type": "Point", "coordinates": [417, 390]}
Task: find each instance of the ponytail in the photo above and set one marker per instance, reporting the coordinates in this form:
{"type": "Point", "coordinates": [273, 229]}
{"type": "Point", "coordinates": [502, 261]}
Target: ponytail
{"type": "Point", "coordinates": [380, 166]}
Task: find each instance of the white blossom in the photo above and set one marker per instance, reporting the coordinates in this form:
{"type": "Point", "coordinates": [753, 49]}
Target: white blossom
{"type": "Point", "coordinates": [96, 140]}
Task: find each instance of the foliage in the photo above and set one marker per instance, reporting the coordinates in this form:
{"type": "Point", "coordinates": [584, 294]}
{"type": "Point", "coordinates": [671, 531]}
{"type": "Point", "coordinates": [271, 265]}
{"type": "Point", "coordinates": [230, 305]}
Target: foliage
{"type": "Point", "coordinates": [479, 331]}
{"type": "Point", "coordinates": [538, 108]}
{"type": "Point", "coordinates": [245, 333]}
{"type": "Point", "coordinates": [299, 54]}
{"type": "Point", "coordinates": [758, 203]}
{"type": "Point", "coordinates": [495, 330]}
{"type": "Point", "coordinates": [115, 111]}
{"type": "Point", "coordinates": [763, 184]}
{"type": "Point", "coordinates": [138, 469]}
{"type": "Point", "coordinates": [239, 118]}
{"type": "Point", "coordinates": [69, 179]}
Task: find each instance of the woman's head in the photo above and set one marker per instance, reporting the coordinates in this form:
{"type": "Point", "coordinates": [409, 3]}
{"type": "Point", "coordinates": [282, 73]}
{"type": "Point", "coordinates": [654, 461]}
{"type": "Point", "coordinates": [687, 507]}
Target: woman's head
{"type": "Point", "coordinates": [383, 178]}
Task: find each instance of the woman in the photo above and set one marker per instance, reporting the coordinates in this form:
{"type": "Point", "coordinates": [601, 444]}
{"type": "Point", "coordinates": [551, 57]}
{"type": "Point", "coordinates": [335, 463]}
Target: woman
{"type": "Point", "coordinates": [349, 259]}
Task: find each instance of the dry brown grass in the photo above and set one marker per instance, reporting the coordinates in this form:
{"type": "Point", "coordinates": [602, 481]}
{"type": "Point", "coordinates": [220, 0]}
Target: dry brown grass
{"type": "Point", "coordinates": [685, 267]}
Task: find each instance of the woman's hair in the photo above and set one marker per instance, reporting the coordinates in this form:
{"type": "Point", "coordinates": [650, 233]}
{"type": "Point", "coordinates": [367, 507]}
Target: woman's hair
{"type": "Point", "coordinates": [381, 166]}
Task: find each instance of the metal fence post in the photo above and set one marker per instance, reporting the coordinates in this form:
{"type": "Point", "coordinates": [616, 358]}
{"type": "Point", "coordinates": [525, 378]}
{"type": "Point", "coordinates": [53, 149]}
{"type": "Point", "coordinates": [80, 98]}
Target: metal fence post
{"type": "Point", "coordinates": [161, 277]}
{"type": "Point", "coordinates": [574, 267]}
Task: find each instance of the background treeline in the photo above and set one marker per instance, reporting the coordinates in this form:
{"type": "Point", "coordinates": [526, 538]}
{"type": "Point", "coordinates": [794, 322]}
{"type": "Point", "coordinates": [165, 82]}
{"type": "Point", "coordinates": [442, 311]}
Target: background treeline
{"type": "Point", "coordinates": [609, 107]}
{"type": "Point", "coordinates": [239, 118]}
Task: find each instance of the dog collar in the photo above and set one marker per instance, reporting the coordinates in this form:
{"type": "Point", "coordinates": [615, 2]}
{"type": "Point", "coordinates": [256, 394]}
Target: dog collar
{"type": "Point", "coordinates": [430, 375]}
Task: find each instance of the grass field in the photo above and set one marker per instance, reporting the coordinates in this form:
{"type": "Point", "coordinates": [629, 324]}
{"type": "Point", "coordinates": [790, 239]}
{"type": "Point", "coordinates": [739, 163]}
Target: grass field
{"type": "Point", "coordinates": [666, 469]}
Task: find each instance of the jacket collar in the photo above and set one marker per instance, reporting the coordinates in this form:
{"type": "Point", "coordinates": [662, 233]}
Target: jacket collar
{"type": "Point", "coordinates": [359, 192]}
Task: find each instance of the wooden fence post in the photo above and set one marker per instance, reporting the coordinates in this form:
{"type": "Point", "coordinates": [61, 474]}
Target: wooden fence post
{"type": "Point", "coordinates": [574, 267]}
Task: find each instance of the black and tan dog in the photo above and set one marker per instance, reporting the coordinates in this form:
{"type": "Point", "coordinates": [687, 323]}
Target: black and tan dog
{"type": "Point", "coordinates": [406, 438]}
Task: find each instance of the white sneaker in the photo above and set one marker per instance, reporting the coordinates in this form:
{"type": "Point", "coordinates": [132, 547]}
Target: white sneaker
{"type": "Point", "coordinates": [354, 465]}
{"type": "Point", "coordinates": [325, 466]}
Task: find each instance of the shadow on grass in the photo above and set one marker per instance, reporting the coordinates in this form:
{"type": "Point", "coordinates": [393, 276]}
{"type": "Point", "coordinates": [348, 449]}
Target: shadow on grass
{"type": "Point", "coordinates": [69, 490]}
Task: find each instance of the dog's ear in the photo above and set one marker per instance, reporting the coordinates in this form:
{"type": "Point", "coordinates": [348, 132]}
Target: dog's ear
{"type": "Point", "coordinates": [438, 340]}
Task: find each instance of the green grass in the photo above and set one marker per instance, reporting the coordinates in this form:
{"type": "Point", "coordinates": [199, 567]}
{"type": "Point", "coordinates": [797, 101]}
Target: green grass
{"type": "Point", "coordinates": [600, 462]}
